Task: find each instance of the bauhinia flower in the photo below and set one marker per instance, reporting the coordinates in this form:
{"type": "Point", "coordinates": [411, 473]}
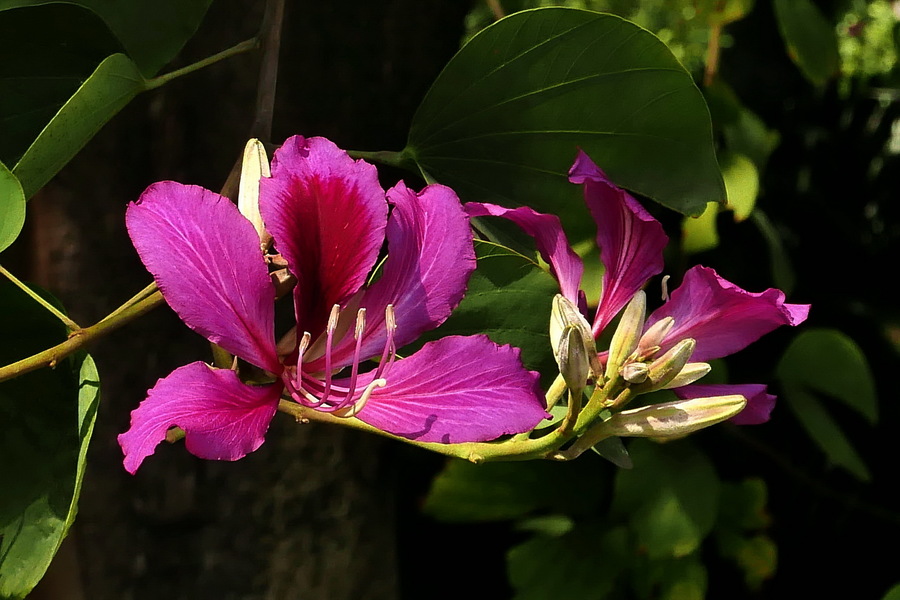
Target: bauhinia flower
{"type": "Point", "coordinates": [717, 316]}
{"type": "Point", "coordinates": [329, 219]}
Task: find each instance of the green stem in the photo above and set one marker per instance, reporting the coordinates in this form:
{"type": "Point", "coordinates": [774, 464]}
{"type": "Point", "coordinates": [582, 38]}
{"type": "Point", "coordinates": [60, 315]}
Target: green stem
{"type": "Point", "coordinates": [144, 293]}
{"type": "Point", "coordinates": [82, 337]}
{"type": "Point", "coordinates": [476, 452]}
{"type": "Point", "coordinates": [245, 46]}
{"type": "Point", "coordinates": [385, 157]}
{"type": "Point", "coordinates": [72, 325]}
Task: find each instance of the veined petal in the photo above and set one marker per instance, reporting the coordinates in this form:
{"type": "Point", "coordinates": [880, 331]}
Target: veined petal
{"type": "Point", "coordinates": [327, 213]}
{"type": "Point", "coordinates": [206, 260]}
{"type": "Point", "coordinates": [759, 402]}
{"type": "Point", "coordinates": [430, 258]}
{"type": "Point", "coordinates": [631, 241]}
{"type": "Point", "coordinates": [549, 237]}
{"type": "Point", "coordinates": [457, 389]}
{"type": "Point", "coordinates": [223, 419]}
{"type": "Point", "coordinates": [721, 316]}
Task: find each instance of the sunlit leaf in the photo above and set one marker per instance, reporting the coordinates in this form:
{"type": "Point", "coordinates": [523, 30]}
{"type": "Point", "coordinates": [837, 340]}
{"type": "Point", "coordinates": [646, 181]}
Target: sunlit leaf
{"type": "Point", "coordinates": [810, 39]}
{"type": "Point", "coordinates": [505, 118]}
{"type": "Point", "coordinates": [12, 207]}
{"type": "Point", "coordinates": [670, 497]}
{"type": "Point", "coordinates": [46, 421]}
{"type": "Point", "coordinates": [699, 234]}
{"type": "Point", "coordinates": [741, 183]}
{"type": "Point", "coordinates": [115, 82]}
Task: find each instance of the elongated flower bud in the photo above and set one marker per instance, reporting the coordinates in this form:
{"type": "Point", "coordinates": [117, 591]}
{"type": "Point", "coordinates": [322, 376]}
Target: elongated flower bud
{"type": "Point", "coordinates": [674, 419]}
{"type": "Point", "coordinates": [627, 334]}
{"type": "Point", "coordinates": [564, 319]}
{"type": "Point", "coordinates": [255, 165]}
{"type": "Point", "coordinates": [665, 368]}
{"type": "Point", "coordinates": [573, 360]}
{"type": "Point", "coordinates": [689, 374]}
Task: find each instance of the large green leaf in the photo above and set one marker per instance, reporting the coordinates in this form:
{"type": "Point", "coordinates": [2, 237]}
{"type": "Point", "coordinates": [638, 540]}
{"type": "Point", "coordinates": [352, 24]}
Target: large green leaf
{"type": "Point", "coordinates": [46, 421]}
{"type": "Point", "coordinates": [111, 86]}
{"type": "Point", "coordinates": [12, 207]}
{"type": "Point", "coordinates": [151, 31]}
{"type": "Point", "coordinates": [670, 497]}
{"type": "Point", "coordinates": [810, 39]}
{"type": "Point", "coordinates": [48, 52]}
{"type": "Point", "coordinates": [509, 299]}
{"type": "Point", "coordinates": [504, 119]}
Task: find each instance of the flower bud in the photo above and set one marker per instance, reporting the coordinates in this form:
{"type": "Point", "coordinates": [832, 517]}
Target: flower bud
{"type": "Point", "coordinates": [689, 374]}
{"type": "Point", "coordinates": [665, 368]}
{"type": "Point", "coordinates": [654, 336]}
{"type": "Point", "coordinates": [255, 165]}
{"type": "Point", "coordinates": [573, 360]}
{"type": "Point", "coordinates": [627, 334]}
{"type": "Point", "coordinates": [565, 316]}
{"type": "Point", "coordinates": [635, 372]}
{"type": "Point", "coordinates": [674, 419]}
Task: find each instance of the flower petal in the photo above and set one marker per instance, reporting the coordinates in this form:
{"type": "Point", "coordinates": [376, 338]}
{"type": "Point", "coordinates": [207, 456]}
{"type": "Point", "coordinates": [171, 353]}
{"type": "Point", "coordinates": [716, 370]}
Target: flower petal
{"type": "Point", "coordinates": [223, 419]}
{"type": "Point", "coordinates": [457, 389]}
{"type": "Point", "coordinates": [206, 260]}
{"type": "Point", "coordinates": [631, 241]}
{"type": "Point", "coordinates": [327, 213]}
{"type": "Point", "coordinates": [722, 317]}
{"type": "Point", "coordinates": [430, 259]}
{"type": "Point", "coordinates": [759, 402]}
{"type": "Point", "coordinates": [549, 237]}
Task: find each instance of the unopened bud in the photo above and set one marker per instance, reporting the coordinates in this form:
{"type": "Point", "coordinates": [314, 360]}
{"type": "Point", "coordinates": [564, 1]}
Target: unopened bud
{"type": "Point", "coordinates": [573, 360]}
{"type": "Point", "coordinates": [254, 166]}
{"type": "Point", "coordinates": [635, 372]}
{"type": "Point", "coordinates": [653, 337]}
{"type": "Point", "coordinates": [564, 316]}
{"type": "Point", "coordinates": [689, 374]}
{"type": "Point", "coordinates": [625, 339]}
{"type": "Point", "coordinates": [665, 368]}
{"type": "Point", "coordinates": [674, 419]}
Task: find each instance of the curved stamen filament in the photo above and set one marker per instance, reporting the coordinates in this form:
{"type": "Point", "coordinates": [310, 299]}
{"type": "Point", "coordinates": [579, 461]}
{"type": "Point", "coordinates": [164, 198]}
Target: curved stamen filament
{"type": "Point", "coordinates": [390, 350]}
{"type": "Point", "coordinates": [329, 341]}
{"type": "Point", "coordinates": [352, 411]}
{"type": "Point", "coordinates": [357, 335]}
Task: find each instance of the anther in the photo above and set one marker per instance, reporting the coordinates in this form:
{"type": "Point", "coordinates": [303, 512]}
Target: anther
{"type": "Point", "coordinates": [665, 288]}
{"type": "Point", "coordinates": [333, 319]}
{"type": "Point", "coordinates": [360, 323]}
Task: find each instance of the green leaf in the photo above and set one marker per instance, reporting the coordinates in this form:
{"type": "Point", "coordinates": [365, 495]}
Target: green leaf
{"type": "Point", "coordinates": [742, 184]}
{"type": "Point", "coordinates": [824, 430]}
{"type": "Point", "coordinates": [48, 51]}
{"type": "Point", "coordinates": [699, 234]}
{"type": "Point", "coordinates": [504, 119]}
{"type": "Point", "coordinates": [46, 421]}
{"type": "Point", "coordinates": [151, 31]}
{"type": "Point", "coordinates": [671, 579]}
{"type": "Point", "coordinates": [670, 497]}
{"type": "Point", "coordinates": [112, 85]}
{"type": "Point", "coordinates": [12, 207]}
{"type": "Point", "coordinates": [498, 491]}
{"type": "Point", "coordinates": [779, 261]}
{"type": "Point", "coordinates": [584, 563]}
{"type": "Point", "coordinates": [810, 39]}
{"type": "Point", "coordinates": [893, 593]}
{"type": "Point", "coordinates": [742, 516]}
{"type": "Point", "coordinates": [509, 299]}
{"type": "Point", "coordinates": [829, 362]}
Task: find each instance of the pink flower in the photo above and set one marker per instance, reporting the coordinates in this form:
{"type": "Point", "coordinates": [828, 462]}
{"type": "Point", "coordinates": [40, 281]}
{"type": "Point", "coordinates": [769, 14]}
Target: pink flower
{"type": "Point", "coordinates": [330, 219]}
{"type": "Point", "coordinates": [721, 317]}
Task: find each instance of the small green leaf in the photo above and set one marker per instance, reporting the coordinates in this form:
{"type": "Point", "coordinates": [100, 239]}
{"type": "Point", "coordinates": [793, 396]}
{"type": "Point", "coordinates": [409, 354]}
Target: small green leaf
{"type": "Point", "coordinates": [810, 39]}
{"type": "Point", "coordinates": [893, 593]}
{"type": "Point", "coordinates": [824, 430]}
{"type": "Point", "coordinates": [12, 207]}
{"type": "Point", "coordinates": [699, 234]}
{"type": "Point", "coordinates": [670, 497]}
{"type": "Point", "coordinates": [671, 579]}
{"type": "Point", "coordinates": [584, 563]}
{"type": "Point", "coordinates": [112, 85]}
{"type": "Point", "coordinates": [46, 421]}
{"type": "Point", "coordinates": [829, 362]}
{"type": "Point", "coordinates": [741, 182]}
{"type": "Point", "coordinates": [498, 491]}
{"type": "Point", "coordinates": [504, 119]}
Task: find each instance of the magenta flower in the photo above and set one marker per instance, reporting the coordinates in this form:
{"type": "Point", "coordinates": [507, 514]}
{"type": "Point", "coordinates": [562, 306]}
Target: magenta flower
{"type": "Point", "coordinates": [329, 218]}
{"type": "Point", "coordinates": [721, 317]}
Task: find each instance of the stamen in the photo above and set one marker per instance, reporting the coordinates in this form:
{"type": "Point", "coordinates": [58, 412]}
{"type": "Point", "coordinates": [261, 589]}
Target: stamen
{"type": "Point", "coordinates": [329, 333]}
{"type": "Point", "coordinates": [390, 350]}
{"type": "Point", "coordinates": [352, 411]}
{"type": "Point", "coordinates": [665, 288]}
{"type": "Point", "coordinates": [357, 335]}
{"type": "Point", "coordinates": [301, 350]}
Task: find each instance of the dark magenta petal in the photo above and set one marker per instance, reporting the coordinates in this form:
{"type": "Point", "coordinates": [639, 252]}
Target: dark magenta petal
{"type": "Point", "coordinates": [549, 237]}
{"type": "Point", "coordinates": [722, 317]}
{"type": "Point", "coordinates": [457, 389]}
{"type": "Point", "coordinates": [430, 259]}
{"type": "Point", "coordinates": [327, 213]}
{"type": "Point", "coordinates": [631, 241]}
{"type": "Point", "coordinates": [206, 260]}
{"type": "Point", "coordinates": [223, 419]}
{"type": "Point", "coordinates": [759, 402]}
